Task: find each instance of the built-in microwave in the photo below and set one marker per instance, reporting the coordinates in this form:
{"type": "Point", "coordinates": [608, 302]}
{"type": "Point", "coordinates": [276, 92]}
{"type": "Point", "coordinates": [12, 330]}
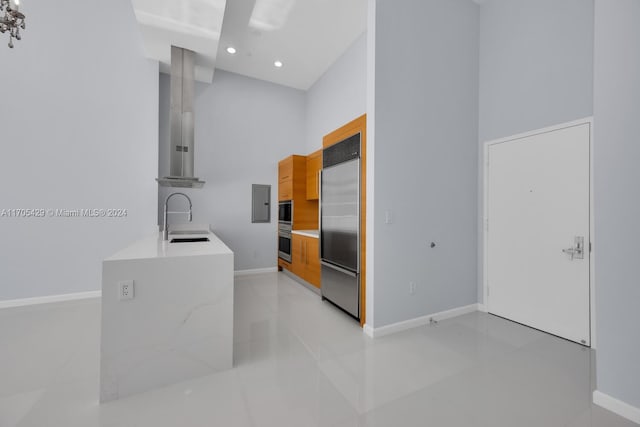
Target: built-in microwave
{"type": "Point", "coordinates": [285, 212]}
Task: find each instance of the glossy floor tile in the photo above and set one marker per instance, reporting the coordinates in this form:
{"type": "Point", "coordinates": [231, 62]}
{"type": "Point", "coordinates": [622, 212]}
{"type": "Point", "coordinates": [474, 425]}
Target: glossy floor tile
{"type": "Point", "coordinates": [299, 361]}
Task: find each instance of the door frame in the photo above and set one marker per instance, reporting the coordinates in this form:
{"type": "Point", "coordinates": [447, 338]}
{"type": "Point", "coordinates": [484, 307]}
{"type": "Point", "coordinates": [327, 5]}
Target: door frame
{"type": "Point", "coordinates": [485, 188]}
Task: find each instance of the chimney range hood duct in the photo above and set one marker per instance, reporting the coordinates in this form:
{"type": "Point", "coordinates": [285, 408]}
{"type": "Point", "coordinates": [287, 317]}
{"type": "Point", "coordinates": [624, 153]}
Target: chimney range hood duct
{"type": "Point", "coordinates": [182, 124]}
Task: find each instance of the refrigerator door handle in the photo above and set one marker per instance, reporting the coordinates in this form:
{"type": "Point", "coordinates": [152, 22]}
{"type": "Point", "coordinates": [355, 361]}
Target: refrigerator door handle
{"type": "Point", "coordinates": [340, 269]}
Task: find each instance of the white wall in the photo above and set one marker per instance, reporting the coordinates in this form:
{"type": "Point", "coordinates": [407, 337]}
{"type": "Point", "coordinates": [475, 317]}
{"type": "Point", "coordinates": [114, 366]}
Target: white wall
{"type": "Point", "coordinates": [79, 126]}
{"type": "Point", "coordinates": [617, 207]}
{"type": "Point", "coordinates": [426, 115]}
{"type": "Point", "coordinates": [339, 96]}
{"type": "Point", "coordinates": [243, 128]}
{"type": "Point", "coordinates": [536, 70]}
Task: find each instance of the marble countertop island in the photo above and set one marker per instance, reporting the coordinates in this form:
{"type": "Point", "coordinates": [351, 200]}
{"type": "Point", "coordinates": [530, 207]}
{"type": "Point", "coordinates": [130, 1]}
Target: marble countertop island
{"type": "Point", "coordinates": [154, 247]}
{"type": "Point", "coordinates": [179, 322]}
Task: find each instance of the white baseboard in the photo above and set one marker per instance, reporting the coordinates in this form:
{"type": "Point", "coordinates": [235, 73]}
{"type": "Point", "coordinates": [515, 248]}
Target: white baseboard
{"type": "Point", "coordinates": [617, 406]}
{"type": "Point", "coordinates": [49, 299]}
{"type": "Point", "coordinates": [368, 330]}
{"type": "Point", "coordinates": [418, 321]}
{"type": "Point", "coordinates": [255, 271]}
{"type": "Point", "coordinates": [483, 308]}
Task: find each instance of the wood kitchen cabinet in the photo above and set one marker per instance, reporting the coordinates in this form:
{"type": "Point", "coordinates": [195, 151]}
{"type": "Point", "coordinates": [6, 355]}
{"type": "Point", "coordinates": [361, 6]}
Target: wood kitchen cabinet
{"type": "Point", "coordinates": [297, 255]}
{"type": "Point", "coordinates": [285, 168]}
{"type": "Point", "coordinates": [312, 261]}
{"type": "Point", "coordinates": [285, 177]}
{"type": "Point", "coordinates": [292, 185]}
{"type": "Point", "coordinates": [314, 166]}
{"type": "Point", "coordinates": [290, 172]}
{"type": "Point", "coordinates": [305, 258]}
{"type": "Point", "coordinates": [285, 190]}
{"type": "Point", "coordinates": [283, 265]}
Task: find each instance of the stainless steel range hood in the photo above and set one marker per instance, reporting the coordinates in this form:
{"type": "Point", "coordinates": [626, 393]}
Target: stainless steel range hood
{"type": "Point", "coordinates": [182, 124]}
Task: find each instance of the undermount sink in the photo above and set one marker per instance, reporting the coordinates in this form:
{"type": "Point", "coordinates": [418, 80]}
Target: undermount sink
{"type": "Point", "coordinates": [189, 232]}
{"type": "Point", "coordinates": [189, 239]}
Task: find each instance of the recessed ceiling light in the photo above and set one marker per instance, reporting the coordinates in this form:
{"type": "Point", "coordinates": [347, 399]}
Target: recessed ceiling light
{"type": "Point", "coordinates": [231, 50]}
{"type": "Point", "coordinates": [278, 64]}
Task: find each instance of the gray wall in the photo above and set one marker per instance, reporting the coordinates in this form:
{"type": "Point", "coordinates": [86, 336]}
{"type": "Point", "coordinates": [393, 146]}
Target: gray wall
{"type": "Point", "coordinates": [79, 127]}
{"type": "Point", "coordinates": [243, 128]}
{"type": "Point", "coordinates": [617, 208]}
{"type": "Point", "coordinates": [339, 96]}
{"type": "Point", "coordinates": [536, 64]}
{"type": "Point", "coordinates": [536, 70]}
{"type": "Point", "coordinates": [426, 150]}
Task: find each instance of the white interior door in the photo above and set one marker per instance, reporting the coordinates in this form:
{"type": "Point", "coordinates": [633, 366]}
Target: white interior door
{"type": "Point", "coordinates": [538, 206]}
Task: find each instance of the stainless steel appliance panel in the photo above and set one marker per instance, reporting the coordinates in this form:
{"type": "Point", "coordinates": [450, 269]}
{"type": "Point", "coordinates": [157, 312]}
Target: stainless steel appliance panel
{"type": "Point", "coordinates": [284, 242]}
{"type": "Point", "coordinates": [341, 287]}
{"type": "Point", "coordinates": [340, 215]}
{"type": "Point", "coordinates": [182, 123]}
{"type": "Point", "coordinates": [341, 152]}
{"type": "Point", "coordinates": [181, 147]}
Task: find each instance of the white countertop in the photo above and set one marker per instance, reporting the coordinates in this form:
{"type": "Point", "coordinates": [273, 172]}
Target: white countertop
{"type": "Point", "coordinates": [153, 247]}
{"type": "Point", "coordinates": [178, 323]}
{"type": "Point", "coordinates": [308, 233]}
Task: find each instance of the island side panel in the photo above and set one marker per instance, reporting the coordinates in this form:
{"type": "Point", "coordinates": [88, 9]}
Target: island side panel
{"type": "Point", "coordinates": [178, 326]}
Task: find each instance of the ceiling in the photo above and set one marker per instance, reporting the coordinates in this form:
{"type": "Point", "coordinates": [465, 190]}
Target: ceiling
{"type": "Point", "coordinates": [191, 24]}
{"type": "Point", "coordinates": [307, 36]}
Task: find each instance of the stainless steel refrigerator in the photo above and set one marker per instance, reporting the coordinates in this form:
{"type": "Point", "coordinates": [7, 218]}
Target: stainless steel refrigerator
{"type": "Point", "coordinates": [340, 225]}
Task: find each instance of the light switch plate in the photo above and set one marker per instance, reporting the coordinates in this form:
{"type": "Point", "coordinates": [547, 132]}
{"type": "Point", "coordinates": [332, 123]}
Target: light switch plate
{"type": "Point", "coordinates": [388, 217]}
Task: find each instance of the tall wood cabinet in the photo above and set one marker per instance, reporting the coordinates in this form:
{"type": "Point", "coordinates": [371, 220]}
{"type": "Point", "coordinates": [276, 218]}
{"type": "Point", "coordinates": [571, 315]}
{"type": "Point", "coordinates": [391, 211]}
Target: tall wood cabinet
{"type": "Point", "coordinates": [296, 175]}
{"type": "Point", "coordinates": [314, 166]}
{"type": "Point", "coordinates": [292, 185]}
{"type": "Point", "coordinates": [285, 176]}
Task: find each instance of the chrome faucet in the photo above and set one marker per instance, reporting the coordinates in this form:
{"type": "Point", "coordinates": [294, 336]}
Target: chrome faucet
{"type": "Point", "coordinates": [165, 232]}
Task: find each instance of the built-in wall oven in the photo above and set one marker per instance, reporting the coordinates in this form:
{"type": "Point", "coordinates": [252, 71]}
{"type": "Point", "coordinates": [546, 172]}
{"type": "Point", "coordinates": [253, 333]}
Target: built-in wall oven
{"type": "Point", "coordinates": [284, 242]}
{"type": "Point", "coordinates": [285, 217]}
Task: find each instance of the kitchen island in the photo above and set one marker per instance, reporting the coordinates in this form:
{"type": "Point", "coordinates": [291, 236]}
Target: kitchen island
{"type": "Point", "coordinates": [167, 313]}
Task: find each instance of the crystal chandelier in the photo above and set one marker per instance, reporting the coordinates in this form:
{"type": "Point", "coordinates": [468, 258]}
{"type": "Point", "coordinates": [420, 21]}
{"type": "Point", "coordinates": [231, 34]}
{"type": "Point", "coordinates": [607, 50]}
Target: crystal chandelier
{"type": "Point", "coordinates": [12, 21]}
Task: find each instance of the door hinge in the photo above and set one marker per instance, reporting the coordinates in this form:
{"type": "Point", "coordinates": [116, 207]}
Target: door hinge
{"type": "Point", "coordinates": [589, 247]}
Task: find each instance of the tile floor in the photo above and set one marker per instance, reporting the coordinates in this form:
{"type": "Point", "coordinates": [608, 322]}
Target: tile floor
{"type": "Point", "coordinates": [301, 362]}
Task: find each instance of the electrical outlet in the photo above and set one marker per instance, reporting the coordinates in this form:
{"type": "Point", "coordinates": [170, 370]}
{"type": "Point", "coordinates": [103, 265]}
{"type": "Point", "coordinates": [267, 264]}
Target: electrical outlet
{"type": "Point", "coordinates": [412, 288]}
{"type": "Point", "coordinates": [125, 290]}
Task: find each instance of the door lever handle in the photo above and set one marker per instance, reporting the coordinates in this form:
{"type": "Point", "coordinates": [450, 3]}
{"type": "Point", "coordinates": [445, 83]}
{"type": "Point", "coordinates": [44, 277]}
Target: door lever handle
{"type": "Point", "coordinates": [577, 251]}
{"type": "Point", "coordinates": [570, 251]}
